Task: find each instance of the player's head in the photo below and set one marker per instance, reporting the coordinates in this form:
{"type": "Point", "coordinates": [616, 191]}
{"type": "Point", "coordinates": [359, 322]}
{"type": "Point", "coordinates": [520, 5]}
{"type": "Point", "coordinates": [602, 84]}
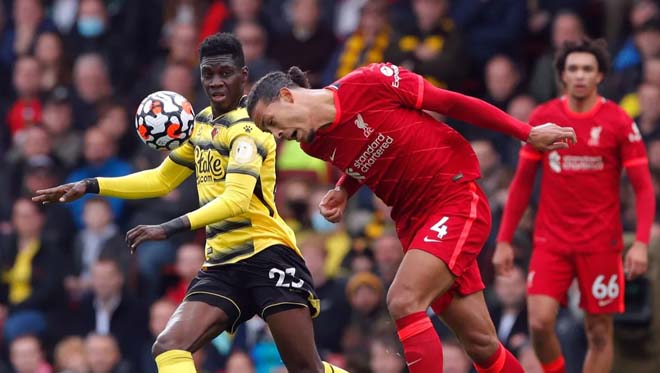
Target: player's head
{"type": "Point", "coordinates": [581, 66]}
{"type": "Point", "coordinates": [223, 71]}
{"type": "Point", "coordinates": [274, 105]}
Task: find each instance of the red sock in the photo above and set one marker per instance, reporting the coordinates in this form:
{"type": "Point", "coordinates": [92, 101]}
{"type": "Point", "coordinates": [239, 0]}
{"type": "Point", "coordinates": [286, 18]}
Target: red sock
{"type": "Point", "coordinates": [421, 344]}
{"type": "Point", "coordinates": [502, 361]}
{"type": "Point", "coordinates": [556, 366]}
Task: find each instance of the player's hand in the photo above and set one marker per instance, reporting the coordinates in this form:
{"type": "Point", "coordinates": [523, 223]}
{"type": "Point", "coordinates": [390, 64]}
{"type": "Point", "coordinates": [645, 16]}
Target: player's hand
{"type": "Point", "coordinates": [636, 260]}
{"type": "Point", "coordinates": [143, 233]}
{"type": "Point", "coordinates": [550, 136]}
{"type": "Point", "coordinates": [503, 259]}
{"type": "Point", "coordinates": [333, 204]}
{"type": "Point", "coordinates": [62, 193]}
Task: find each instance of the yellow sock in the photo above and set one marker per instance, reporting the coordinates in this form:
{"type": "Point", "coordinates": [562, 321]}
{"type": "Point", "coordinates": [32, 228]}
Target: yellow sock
{"type": "Point", "coordinates": [329, 368]}
{"type": "Point", "coordinates": [175, 361]}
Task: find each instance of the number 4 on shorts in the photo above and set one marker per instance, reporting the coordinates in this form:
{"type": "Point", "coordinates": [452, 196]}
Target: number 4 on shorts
{"type": "Point", "coordinates": [441, 228]}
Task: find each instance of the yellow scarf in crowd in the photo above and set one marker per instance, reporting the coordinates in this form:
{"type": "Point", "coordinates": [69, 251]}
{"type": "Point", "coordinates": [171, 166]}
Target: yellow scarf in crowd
{"type": "Point", "coordinates": [19, 276]}
{"type": "Point", "coordinates": [357, 54]}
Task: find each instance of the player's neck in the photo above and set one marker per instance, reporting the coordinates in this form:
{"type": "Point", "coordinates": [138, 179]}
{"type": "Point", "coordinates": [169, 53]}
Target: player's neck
{"type": "Point", "coordinates": [323, 102]}
{"type": "Point", "coordinates": [582, 104]}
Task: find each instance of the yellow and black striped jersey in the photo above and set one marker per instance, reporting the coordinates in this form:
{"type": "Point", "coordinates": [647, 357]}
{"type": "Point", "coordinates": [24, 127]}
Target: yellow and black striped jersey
{"type": "Point", "coordinates": [232, 144]}
{"type": "Point", "coordinates": [234, 165]}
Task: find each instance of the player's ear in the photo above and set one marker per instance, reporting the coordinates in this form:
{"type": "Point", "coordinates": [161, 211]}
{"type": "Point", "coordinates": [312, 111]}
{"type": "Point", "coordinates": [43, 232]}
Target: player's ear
{"type": "Point", "coordinates": [600, 77]}
{"type": "Point", "coordinates": [244, 74]}
{"type": "Point", "coordinates": [286, 95]}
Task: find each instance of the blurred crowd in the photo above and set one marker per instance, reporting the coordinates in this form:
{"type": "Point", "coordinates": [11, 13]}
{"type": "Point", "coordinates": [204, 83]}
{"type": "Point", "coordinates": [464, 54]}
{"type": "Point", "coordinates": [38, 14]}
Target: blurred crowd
{"type": "Point", "coordinates": [72, 297]}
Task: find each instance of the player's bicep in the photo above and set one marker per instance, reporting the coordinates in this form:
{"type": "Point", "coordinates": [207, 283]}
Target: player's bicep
{"type": "Point", "coordinates": [245, 156]}
{"type": "Point", "coordinates": [402, 85]}
{"type": "Point", "coordinates": [184, 155]}
{"type": "Point", "coordinates": [633, 152]}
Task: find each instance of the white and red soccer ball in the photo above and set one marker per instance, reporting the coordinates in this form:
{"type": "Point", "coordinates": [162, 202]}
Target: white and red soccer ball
{"type": "Point", "coordinates": [164, 120]}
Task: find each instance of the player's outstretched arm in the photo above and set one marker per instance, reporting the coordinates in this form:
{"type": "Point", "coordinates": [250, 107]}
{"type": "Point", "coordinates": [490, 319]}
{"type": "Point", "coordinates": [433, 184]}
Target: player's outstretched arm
{"type": "Point", "coordinates": [482, 114]}
{"type": "Point", "coordinates": [156, 182]}
{"type": "Point", "coordinates": [66, 192]}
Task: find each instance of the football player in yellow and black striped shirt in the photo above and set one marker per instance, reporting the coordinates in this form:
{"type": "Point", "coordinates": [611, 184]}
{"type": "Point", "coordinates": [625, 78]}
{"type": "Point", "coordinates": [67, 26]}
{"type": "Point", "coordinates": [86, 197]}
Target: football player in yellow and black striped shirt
{"type": "Point", "coordinates": [252, 263]}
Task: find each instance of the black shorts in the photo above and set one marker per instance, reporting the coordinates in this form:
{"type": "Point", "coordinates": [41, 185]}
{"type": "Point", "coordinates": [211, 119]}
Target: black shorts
{"type": "Point", "coordinates": [274, 280]}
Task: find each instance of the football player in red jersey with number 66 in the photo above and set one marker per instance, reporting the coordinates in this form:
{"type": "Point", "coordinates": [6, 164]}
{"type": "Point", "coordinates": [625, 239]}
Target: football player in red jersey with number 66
{"type": "Point", "coordinates": [578, 230]}
{"type": "Point", "coordinates": [372, 125]}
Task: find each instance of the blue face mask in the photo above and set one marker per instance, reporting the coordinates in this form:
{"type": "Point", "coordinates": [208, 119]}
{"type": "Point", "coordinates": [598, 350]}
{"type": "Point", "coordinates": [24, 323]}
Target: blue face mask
{"type": "Point", "coordinates": [321, 225]}
{"type": "Point", "coordinates": [90, 27]}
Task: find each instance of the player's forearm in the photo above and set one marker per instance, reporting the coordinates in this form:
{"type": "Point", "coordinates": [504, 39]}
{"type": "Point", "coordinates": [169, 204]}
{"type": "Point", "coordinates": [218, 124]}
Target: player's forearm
{"type": "Point", "coordinates": [640, 178]}
{"type": "Point", "coordinates": [474, 111]}
{"type": "Point", "coordinates": [349, 184]}
{"type": "Point", "coordinates": [234, 201]}
{"type": "Point", "coordinates": [156, 182]}
{"type": "Point", "coordinates": [520, 192]}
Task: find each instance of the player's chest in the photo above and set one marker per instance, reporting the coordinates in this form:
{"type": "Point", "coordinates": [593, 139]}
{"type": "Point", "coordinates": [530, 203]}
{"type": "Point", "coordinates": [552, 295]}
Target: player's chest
{"type": "Point", "coordinates": [210, 153]}
{"type": "Point", "coordinates": [359, 135]}
{"type": "Point", "coordinates": [597, 149]}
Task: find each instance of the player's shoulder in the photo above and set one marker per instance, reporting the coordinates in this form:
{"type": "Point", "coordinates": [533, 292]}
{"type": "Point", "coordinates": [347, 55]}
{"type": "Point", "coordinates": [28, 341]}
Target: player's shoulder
{"type": "Point", "coordinates": [615, 112]}
{"type": "Point", "coordinates": [204, 116]}
{"type": "Point", "coordinates": [545, 111]}
{"type": "Point", "coordinates": [374, 72]}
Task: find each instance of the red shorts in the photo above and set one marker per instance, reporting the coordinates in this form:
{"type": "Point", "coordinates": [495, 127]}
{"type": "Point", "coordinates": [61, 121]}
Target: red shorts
{"type": "Point", "coordinates": [600, 278]}
{"type": "Point", "coordinates": [455, 232]}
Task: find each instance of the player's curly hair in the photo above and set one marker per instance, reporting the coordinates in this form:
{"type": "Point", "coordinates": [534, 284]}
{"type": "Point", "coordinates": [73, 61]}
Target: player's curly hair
{"type": "Point", "coordinates": [597, 47]}
{"type": "Point", "coordinates": [220, 44]}
{"type": "Point", "coordinates": [268, 87]}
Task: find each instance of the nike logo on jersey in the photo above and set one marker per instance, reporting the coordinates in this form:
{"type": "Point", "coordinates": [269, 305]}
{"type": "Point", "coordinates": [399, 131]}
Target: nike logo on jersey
{"type": "Point", "coordinates": [603, 303]}
{"type": "Point", "coordinates": [427, 239]}
{"type": "Point", "coordinates": [413, 362]}
{"type": "Point", "coordinates": [332, 156]}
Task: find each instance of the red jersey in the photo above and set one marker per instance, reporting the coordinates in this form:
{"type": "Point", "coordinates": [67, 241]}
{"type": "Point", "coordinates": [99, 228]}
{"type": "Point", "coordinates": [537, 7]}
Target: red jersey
{"type": "Point", "coordinates": [579, 206]}
{"type": "Point", "coordinates": [382, 139]}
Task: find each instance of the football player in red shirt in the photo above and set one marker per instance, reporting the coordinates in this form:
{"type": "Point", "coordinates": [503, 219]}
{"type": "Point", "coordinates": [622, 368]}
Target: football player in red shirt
{"type": "Point", "coordinates": [578, 230]}
{"type": "Point", "coordinates": [372, 125]}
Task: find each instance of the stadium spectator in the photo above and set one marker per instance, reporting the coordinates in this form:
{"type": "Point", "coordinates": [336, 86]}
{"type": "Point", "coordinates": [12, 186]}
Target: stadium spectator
{"type": "Point", "coordinates": [510, 311]}
{"type": "Point", "coordinates": [385, 355]}
{"type": "Point", "coordinates": [114, 121]}
{"type": "Point", "coordinates": [30, 270]}
{"type": "Point", "coordinates": [27, 355]}
{"type": "Point", "coordinates": [26, 109]}
{"type": "Point", "coordinates": [57, 119]}
{"type": "Point", "coordinates": [104, 356]}
{"type": "Point", "coordinates": [307, 32]}
{"type": "Point", "coordinates": [49, 51]}
{"type": "Point", "coordinates": [189, 259]}
{"type": "Point", "coordinates": [334, 317]}
{"type": "Point", "coordinates": [521, 107]}
{"type": "Point", "coordinates": [432, 48]}
{"type": "Point", "coordinates": [650, 75]}
{"type": "Point", "coordinates": [367, 44]}
{"type": "Point", "coordinates": [159, 313]}
{"type": "Point", "coordinates": [69, 355]}
{"type": "Point", "coordinates": [543, 84]}
{"type": "Point", "coordinates": [254, 40]}
{"type": "Point", "coordinates": [100, 158]}
{"type": "Point", "coordinates": [19, 37]}
{"type": "Point", "coordinates": [628, 55]}
{"type": "Point", "coordinates": [648, 119]}
{"type": "Point", "coordinates": [388, 255]}
{"type": "Point", "coordinates": [365, 294]}
{"type": "Point", "coordinates": [110, 310]}
{"type": "Point", "coordinates": [92, 88]}
{"type": "Point", "coordinates": [454, 358]}
{"type": "Point", "coordinates": [99, 237]}
{"type": "Point", "coordinates": [246, 11]}
{"type": "Point", "coordinates": [490, 27]}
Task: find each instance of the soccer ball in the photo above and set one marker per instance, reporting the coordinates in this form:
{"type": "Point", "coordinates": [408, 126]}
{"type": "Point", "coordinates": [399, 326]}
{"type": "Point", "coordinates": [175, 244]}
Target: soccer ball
{"type": "Point", "coordinates": [164, 120]}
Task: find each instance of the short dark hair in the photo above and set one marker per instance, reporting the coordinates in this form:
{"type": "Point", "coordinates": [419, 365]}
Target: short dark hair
{"type": "Point", "coordinates": [598, 48]}
{"type": "Point", "coordinates": [221, 44]}
{"type": "Point", "coordinates": [268, 87]}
